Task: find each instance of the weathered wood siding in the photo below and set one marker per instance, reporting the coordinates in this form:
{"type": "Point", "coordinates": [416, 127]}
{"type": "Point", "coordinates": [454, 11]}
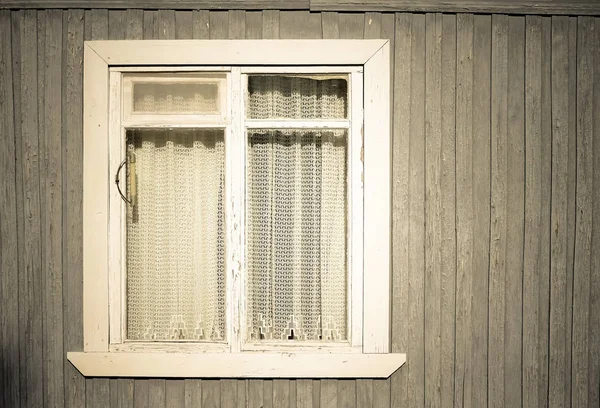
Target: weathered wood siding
{"type": "Point", "coordinates": [496, 209]}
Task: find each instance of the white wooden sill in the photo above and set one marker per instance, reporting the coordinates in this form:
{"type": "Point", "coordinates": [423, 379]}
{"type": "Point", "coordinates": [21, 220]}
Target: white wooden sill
{"type": "Point", "coordinates": [236, 365]}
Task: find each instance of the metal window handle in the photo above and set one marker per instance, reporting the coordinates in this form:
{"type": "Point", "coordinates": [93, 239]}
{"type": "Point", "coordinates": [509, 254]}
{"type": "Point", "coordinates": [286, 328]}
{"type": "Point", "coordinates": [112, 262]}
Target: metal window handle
{"type": "Point", "coordinates": [133, 190]}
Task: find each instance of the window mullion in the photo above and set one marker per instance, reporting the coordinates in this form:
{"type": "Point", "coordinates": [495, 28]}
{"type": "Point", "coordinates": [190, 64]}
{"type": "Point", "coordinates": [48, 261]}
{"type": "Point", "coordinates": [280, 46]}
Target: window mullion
{"type": "Point", "coordinates": [235, 212]}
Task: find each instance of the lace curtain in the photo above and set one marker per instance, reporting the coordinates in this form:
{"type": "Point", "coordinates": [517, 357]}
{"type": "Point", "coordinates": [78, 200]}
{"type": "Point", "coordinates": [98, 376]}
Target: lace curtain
{"type": "Point", "coordinates": [296, 213]}
{"type": "Point", "coordinates": [175, 236]}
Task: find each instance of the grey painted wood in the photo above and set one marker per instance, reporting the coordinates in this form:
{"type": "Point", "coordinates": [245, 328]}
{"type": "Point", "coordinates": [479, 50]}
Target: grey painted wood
{"type": "Point", "coordinates": [582, 7]}
{"type": "Point", "coordinates": [580, 372]}
{"type": "Point", "coordinates": [175, 393]}
{"type": "Point", "coordinates": [52, 179]}
{"type": "Point", "coordinates": [304, 393]}
{"type": "Point", "coordinates": [382, 393]}
{"type": "Point", "coordinates": [464, 209]}
{"type": "Point", "coordinates": [254, 24]}
{"type": "Point", "coordinates": [72, 202]}
{"type": "Point", "coordinates": [201, 24]}
{"type": "Point", "coordinates": [228, 393]}
{"type": "Point", "coordinates": [160, 4]}
{"type": "Point", "coordinates": [30, 278]}
{"type": "Point", "coordinates": [328, 394]}
{"type": "Point", "coordinates": [594, 333]}
{"type": "Point", "coordinates": [544, 280]}
{"type": "Point", "coordinates": [433, 207]}
{"type": "Point", "coordinates": [416, 219]}
{"type": "Point", "coordinates": [281, 393]}
{"type": "Point", "coordinates": [535, 230]}
{"type": "Point", "coordinates": [256, 394]}
{"type": "Point", "coordinates": [183, 25]}
{"type": "Point", "coordinates": [330, 25]}
{"type": "Point", "coordinates": [140, 393]}
{"type": "Point", "coordinates": [299, 24]}
{"type": "Point", "coordinates": [157, 393]}
{"type": "Point", "coordinates": [135, 24]}
{"type": "Point", "coordinates": [499, 215]}
{"type": "Point", "coordinates": [97, 393]}
{"type": "Point", "coordinates": [219, 25]}
{"type": "Point", "coordinates": [237, 24]}
{"type": "Point", "coordinates": [364, 393]}
{"type": "Point", "coordinates": [401, 120]}
{"type": "Point", "coordinates": [267, 393]}
{"type": "Point", "coordinates": [9, 263]}
{"type": "Point", "coordinates": [346, 393]}
{"type": "Point", "coordinates": [559, 347]}
{"type": "Point", "coordinates": [270, 24]}
{"type": "Point", "coordinates": [193, 393]}
{"type": "Point", "coordinates": [448, 210]}
{"type": "Point", "coordinates": [482, 35]}
{"type": "Point", "coordinates": [515, 207]}
{"type": "Point", "coordinates": [372, 26]}
{"type": "Point", "coordinates": [351, 25]}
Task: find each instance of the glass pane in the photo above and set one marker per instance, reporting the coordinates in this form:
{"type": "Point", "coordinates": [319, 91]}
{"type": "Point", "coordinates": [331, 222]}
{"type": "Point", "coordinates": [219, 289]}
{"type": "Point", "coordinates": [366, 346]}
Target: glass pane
{"type": "Point", "coordinates": [297, 97]}
{"type": "Point", "coordinates": [175, 235]}
{"type": "Point", "coordinates": [176, 93]}
{"type": "Point", "coordinates": [296, 235]}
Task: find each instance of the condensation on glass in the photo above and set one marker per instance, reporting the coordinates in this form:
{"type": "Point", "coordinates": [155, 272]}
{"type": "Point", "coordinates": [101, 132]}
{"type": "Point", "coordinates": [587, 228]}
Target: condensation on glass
{"type": "Point", "coordinates": [176, 235]}
{"type": "Point", "coordinates": [296, 211]}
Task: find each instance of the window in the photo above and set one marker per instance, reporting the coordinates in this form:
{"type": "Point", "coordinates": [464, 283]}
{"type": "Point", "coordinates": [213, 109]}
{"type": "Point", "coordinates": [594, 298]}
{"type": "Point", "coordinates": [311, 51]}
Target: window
{"type": "Point", "coordinates": [236, 209]}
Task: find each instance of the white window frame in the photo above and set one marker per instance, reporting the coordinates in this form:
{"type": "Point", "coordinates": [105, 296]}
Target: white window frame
{"type": "Point", "coordinates": [373, 358]}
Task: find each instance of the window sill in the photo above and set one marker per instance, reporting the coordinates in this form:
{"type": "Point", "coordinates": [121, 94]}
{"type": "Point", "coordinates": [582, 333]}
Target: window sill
{"type": "Point", "coordinates": [236, 365]}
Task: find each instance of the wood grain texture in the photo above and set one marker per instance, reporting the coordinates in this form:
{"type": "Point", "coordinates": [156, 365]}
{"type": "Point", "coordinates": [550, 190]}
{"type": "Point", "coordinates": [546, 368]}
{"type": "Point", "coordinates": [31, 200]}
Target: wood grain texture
{"type": "Point", "coordinates": [401, 124]}
{"type": "Point", "coordinates": [515, 207]}
{"type": "Point", "coordinates": [52, 179]}
{"type": "Point", "coordinates": [594, 324]}
{"type": "Point", "coordinates": [482, 35]}
{"type": "Point", "coordinates": [160, 4]}
{"type": "Point", "coordinates": [581, 7]}
{"type": "Point", "coordinates": [433, 207]}
{"type": "Point", "coordinates": [464, 209]}
{"type": "Point", "coordinates": [9, 263]}
{"type": "Point", "coordinates": [72, 205]}
{"type": "Point", "coordinates": [175, 394]}
{"type": "Point", "coordinates": [580, 372]}
{"type": "Point", "coordinates": [30, 269]}
{"type": "Point", "coordinates": [416, 219]}
{"type": "Point", "coordinates": [193, 393]}
{"type": "Point", "coordinates": [559, 346]}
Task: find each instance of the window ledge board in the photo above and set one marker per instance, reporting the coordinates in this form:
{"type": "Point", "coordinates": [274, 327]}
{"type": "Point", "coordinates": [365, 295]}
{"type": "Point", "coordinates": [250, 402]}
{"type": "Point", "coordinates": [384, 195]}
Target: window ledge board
{"type": "Point", "coordinates": [236, 365]}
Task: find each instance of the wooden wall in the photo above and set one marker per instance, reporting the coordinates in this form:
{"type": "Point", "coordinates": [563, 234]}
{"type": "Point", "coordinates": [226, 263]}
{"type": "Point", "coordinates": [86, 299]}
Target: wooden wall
{"type": "Point", "coordinates": [496, 209]}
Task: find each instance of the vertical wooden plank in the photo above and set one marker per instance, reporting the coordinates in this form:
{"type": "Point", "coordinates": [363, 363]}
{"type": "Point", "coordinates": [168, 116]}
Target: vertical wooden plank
{"type": "Point", "coordinates": [300, 24]}
{"type": "Point", "coordinates": [254, 24]}
{"type": "Point", "coordinates": [97, 393]}
{"type": "Point", "coordinates": [9, 260]}
{"type": "Point", "coordinates": [534, 223]}
{"type": "Point", "coordinates": [515, 212]}
{"type": "Point", "coordinates": [328, 394]}
{"type": "Point", "coordinates": [150, 25]}
{"type": "Point", "coordinates": [157, 393]}
{"type": "Point", "coordinates": [372, 25]}
{"type": "Point", "coordinates": [193, 393]}
{"type": "Point", "coordinates": [166, 24]}
{"type": "Point", "coordinates": [559, 392]}
{"type": "Point", "coordinates": [201, 24]}
{"type": "Point", "coordinates": [183, 25]}
{"type": "Point", "coordinates": [219, 25]}
{"type": "Point", "coordinates": [255, 394]}
{"type": "Point", "coordinates": [464, 209]}
{"type": "Point", "coordinates": [448, 210]}
{"type": "Point", "coordinates": [293, 392]}
{"type": "Point", "coordinates": [52, 178]}
{"type": "Point", "coordinates": [364, 393]}
{"type": "Point", "coordinates": [281, 393]}
{"type": "Point", "coordinates": [117, 26]}
{"type": "Point", "coordinates": [482, 39]}
{"type": "Point", "coordinates": [416, 218]}
{"type": "Point", "coordinates": [72, 206]}
{"type": "Point", "coordinates": [351, 25]}
{"type": "Point", "coordinates": [270, 24]}
{"type": "Point", "coordinates": [304, 393]}
{"type": "Point", "coordinates": [585, 210]}
{"type": "Point", "coordinates": [228, 393]}
{"type": "Point", "coordinates": [135, 24]}
{"type": "Point", "coordinates": [401, 205]}
{"type": "Point", "coordinates": [140, 393]}
{"type": "Point", "coordinates": [175, 393]}
{"type": "Point", "coordinates": [594, 324]}
{"type": "Point", "coordinates": [382, 388]}
{"type": "Point", "coordinates": [433, 239]}
{"type": "Point", "coordinates": [30, 273]}
{"type": "Point", "coordinates": [346, 393]}
{"type": "Point", "coordinates": [268, 394]}
{"type": "Point", "coordinates": [330, 25]}
{"type": "Point", "coordinates": [497, 291]}
{"type": "Point", "coordinates": [237, 24]}
{"type": "Point", "coordinates": [546, 208]}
